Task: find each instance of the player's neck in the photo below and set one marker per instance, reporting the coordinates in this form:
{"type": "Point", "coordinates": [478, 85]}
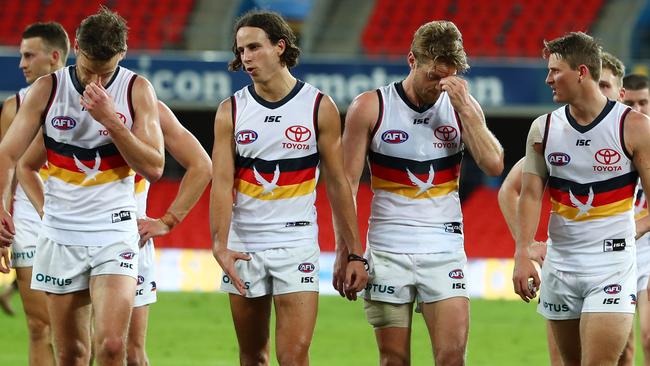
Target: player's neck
{"type": "Point", "coordinates": [277, 86]}
{"type": "Point", "coordinates": [588, 107]}
{"type": "Point", "coordinates": [412, 96]}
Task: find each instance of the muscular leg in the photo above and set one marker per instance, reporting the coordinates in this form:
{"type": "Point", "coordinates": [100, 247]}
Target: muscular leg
{"type": "Point", "coordinates": [567, 334]}
{"type": "Point", "coordinates": [295, 321]}
{"type": "Point", "coordinates": [70, 320]}
{"type": "Point", "coordinates": [627, 357]}
{"type": "Point", "coordinates": [38, 321]}
{"type": "Point", "coordinates": [448, 324]}
{"type": "Point", "coordinates": [394, 342]}
{"type": "Point", "coordinates": [603, 337]}
{"type": "Point", "coordinates": [251, 317]}
{"type": "Point", "coordinates": [553, 351]}
{"type": "Point", "coordinates": [136, 354]}
{"type": "Point", "coordinates": [644, 321]}
{"type": "Point", "coordinates": [112, 300]}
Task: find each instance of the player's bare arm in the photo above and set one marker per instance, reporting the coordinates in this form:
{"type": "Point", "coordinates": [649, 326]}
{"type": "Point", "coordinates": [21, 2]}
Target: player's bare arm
{"type": "Point", "coordinates": [509, 196]}
{"type": "Point", "coordinates": [528, 210]}
{"type": "Point", "coordinates": [339, 194]}
{"type": "Point", "coordinates": [359, 122]}
{"type": "Point", "coordinates": [142, 146]}
{"type": "Point", "coordinates": [17, 140]}
{"type": "Point", "coordinates": [27, 172]}
{"type": "Point", "coordinates": [221, 194]}
{"type": "Point", "coordinates": [637, 134]}
{"type": "Point", "coordinates": [189, 153]}
{"type": "Point", "coordinates": [6, 117]}
{"type": "Point", "coordinates": [484, 147]}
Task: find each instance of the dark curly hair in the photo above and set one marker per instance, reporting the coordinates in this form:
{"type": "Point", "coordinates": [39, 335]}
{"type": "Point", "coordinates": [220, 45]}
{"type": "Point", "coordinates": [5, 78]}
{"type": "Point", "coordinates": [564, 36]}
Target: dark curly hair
{"type": "Point", "coordinates": [276, 29]}
{"type": "Point", "coordinates": [103, 35]}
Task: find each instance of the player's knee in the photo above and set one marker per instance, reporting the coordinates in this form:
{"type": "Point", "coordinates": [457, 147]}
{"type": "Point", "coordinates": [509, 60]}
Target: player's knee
{"type": "Point", "coordinates": [296, 354]}
{"type": "Point", "coordinates": [384, 315]}
{"type": "Point", "coordinates": [392, 358]}
{"type": "Point", "coordinates": [38, 329]}
{"type": "Point", "coordinates": [450, 356]}
{"type": "Point", "coordinates": [253, 359]}
{"type": "Point", "coordinates": [111, 347]}
{"type": "Point", "coordinates": [76, 353]}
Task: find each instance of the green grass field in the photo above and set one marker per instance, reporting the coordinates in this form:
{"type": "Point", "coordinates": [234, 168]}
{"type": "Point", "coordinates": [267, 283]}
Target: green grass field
{"type": "Point", "coordinates": [196, 329]}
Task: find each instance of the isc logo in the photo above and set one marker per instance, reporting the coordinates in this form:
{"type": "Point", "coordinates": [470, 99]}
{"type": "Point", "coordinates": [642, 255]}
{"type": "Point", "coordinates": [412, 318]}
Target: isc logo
{"type": "Point", "coordinates": [394, 136]}
{"type": "Point", "coordinates": [458, 286]}
{"type": "Point", "coordinates": [457, 274]}
{"type": "Point", "coordinates": [558, 159]}
{"type": "Point", "coordinates": [611, 300]}
{"type": "Point", "coordinates": [63, 123]}
{"type": "Point", "coordinates": [306, 267]}
{"type": "Point", "coordinates": [272, 119]}
{"type": "Point", "coordinates": [246, 137]}
{"type": "Point", "coordinates": [307, 280]}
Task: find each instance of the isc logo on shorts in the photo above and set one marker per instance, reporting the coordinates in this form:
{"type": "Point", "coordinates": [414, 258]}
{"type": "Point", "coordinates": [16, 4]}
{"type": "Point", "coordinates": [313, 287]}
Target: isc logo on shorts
{"type": "Point", "coordinates": [306, 267]}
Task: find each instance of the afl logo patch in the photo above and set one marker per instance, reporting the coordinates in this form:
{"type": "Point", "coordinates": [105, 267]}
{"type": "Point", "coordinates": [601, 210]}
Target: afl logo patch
{"type": "Point", "coordinates": [306, 267]}
{"type": "Point", "coordinates": [558, 159]}
{"type": "Point", "coordinates": [394, 136]}
{"type": "Point", "coordinates": [246, 137]}
{"type": "Point", "coordinates": [612, 289]}
{"type": "Point", "coordinates": [63, 123]}
{"type": "Point", "coordinates": [457, 274]}
{"type": "Point", "coordinates": [127, 255]}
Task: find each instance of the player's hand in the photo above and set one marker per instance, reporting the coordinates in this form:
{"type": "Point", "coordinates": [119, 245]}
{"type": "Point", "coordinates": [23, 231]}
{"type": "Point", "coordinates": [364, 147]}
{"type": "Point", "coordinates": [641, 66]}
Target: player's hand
{"type": "Point", "coordinates": [150, 228]}
{"type": "Point", "coordinates": [7, 230]}
{"type": "Point", "coordinates": [458, 92]}
{"type": "Point", "coordinates": [642, 226]}
{"type": "Point", "coordinates": [537, 252]}
{"type": "Point", "coordinates": [340, 268]}
{"type": "Point", "coordinates": [5, 260]}
{"type": "Point", "coordinates": [99, 104]}
{"type": "Point", "coordinates": [356, 278]}
{"type": "Point", "coordinates": [226, 259]}
{"type": "Point", "coordinates": [524, 271]}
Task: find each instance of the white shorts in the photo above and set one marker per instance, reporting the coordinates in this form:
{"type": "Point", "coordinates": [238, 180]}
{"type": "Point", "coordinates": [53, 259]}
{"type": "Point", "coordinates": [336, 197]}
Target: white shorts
{"type": "Point", "coordinates": [62, 269]}
{"type": "Point", "coordinates": [277, 271]}
{"type": "Point", "coordinates": [422, 277]}
{"type": "Point", "coordinates": [145, 292]}
{"type": "Point", "coordinates": [566, 295]}
{"type": "Point", "coordinates": [23, 249]}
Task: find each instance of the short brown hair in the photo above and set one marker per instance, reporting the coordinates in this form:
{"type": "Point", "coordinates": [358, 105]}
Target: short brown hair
{"type": "Point", "coordinates": [615, 65]}
{"type": "Point", "coordinates": [577, 48]}
{"type": "Point", "coordinates": [440, 41]}
{"type": "Point", "coordinates": [53, 35]}
{"type": "Point", "coordinates": [102, 35]}
{"type": "Point", "coordinates": [276, 28]}
{"type": "Point", "coordinates": [635, 82]}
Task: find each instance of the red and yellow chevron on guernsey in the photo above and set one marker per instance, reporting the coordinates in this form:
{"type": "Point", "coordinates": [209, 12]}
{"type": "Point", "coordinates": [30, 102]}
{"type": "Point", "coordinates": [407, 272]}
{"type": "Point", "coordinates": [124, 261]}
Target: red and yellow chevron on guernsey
{"type": "Point", "coordinates": [274, 180]}
{"type": "Point", "coordinates": [111, 169]}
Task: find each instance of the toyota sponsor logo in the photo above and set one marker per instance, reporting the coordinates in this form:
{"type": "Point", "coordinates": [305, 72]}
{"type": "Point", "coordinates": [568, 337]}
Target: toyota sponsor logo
{"type": "Point", "coordinates": [457, 274]}
{"type": "Point", "coordinates": [246, 137]}
{"type": "Point", "coordinates": [607, 156]}
{"type": "Point", "coordinates": [306, 267]}
{"type": "Point", "coordinates": [394, 136]}
{"type": "Point", "coordinates": [446, 133]}
{"type": "Point", "coordinates": [558, 158]}
{"type": "Point", "coordinates": [612, 289]}
{"type": "Point", "coordinates": [63, 123]}
{"type": "Point", "coordinates": [297, 133]}
{"type": "Point", "coordinates": [121, 117]}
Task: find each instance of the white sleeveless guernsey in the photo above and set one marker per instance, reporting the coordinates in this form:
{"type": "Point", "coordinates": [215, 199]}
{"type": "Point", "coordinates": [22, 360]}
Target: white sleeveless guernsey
{"type": "Point", "coordinates": [592, 184]}
{"type": "Point", "coordinates": [276, 169]}
{"type": "Point", "coordinates": [22, 207]}
{"type": "Point", "coordinates": [415, 155]}
{"type": "Point", "coordinates": [89, 198]}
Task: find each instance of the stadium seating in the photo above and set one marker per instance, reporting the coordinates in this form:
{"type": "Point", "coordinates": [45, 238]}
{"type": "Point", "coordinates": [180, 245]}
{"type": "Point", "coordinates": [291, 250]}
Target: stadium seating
{"type": "Point", "coordinates": [154, 24]}
{"type": "Point", "coordinates": [512, 28]}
